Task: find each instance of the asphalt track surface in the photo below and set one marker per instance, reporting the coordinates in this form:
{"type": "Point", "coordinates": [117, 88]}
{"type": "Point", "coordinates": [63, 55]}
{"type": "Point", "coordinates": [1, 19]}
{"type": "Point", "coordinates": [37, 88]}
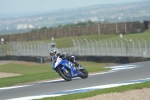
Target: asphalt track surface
{"type": "Point", "coordinates": [141, 71]}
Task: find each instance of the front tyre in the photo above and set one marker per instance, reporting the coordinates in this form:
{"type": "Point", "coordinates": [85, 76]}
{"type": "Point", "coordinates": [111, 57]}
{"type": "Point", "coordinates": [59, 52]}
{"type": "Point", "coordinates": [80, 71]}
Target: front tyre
{"type": "Point", "coordinates": [65, 74]}
{"type": "Point", "coordinates": [84, 73]}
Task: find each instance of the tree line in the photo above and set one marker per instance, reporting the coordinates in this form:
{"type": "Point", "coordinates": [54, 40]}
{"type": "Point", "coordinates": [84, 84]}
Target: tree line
{"type": "Point", "coordinates": [70, 25]}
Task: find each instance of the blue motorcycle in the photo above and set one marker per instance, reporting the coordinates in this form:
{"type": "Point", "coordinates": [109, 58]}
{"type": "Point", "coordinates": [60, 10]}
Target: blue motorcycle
{"type": "Point", "coordinates": [67, 69]}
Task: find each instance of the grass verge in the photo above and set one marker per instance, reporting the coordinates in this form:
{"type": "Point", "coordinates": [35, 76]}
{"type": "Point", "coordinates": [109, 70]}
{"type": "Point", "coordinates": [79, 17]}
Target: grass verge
{"type": "Point", "coordinates": [39, 72]}
{"type": "Point", "coordinates": [102, 91]}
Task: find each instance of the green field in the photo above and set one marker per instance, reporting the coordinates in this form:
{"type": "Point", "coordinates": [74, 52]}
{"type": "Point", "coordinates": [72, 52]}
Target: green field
{"type": "Point", "coordinates": [38, 72]}
{"type": "Point", "coordinates": [67, 42]}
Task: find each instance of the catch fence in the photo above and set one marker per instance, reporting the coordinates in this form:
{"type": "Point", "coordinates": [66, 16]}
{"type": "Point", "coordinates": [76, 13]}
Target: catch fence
{"type": "Point", "coordinates": [105, 47]}
{"type": "Point", "coordinates": [26, 49]}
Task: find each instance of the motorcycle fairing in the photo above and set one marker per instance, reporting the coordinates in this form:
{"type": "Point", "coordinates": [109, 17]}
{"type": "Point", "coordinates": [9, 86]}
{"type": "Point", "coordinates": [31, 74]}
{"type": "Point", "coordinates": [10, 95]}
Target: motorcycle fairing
{"type": "Point", "coordinates": [67, 64]}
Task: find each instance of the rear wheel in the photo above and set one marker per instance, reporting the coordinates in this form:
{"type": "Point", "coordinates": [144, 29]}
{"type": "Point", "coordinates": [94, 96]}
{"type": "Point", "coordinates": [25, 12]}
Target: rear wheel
{"type": "Point", "coordinates": [65, 74]}
{"type": "Point", "coordinates": [84, 73]}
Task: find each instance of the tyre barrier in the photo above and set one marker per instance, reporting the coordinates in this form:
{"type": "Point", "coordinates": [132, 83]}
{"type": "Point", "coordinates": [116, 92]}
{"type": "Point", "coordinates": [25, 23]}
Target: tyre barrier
{"type": "Point", "coordinates": [104, 59]}
{"type": "Point", "coordinates": [112, 59]}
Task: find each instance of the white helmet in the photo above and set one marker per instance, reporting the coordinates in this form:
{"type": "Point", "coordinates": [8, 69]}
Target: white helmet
{"type": "Point", "coordinates": [53, 52]}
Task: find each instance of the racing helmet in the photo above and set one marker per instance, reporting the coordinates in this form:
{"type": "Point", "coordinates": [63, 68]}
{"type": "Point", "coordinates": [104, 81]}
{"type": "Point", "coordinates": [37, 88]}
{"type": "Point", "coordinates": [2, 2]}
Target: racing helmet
{"type": "Point", "coordinates": [53, 52]}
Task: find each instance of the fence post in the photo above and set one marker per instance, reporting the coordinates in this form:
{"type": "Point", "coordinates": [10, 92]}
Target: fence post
{"type": "Point", "coordinates": [78, 46]}
{"type": "Point", "coordinates": [8, 50]}
{"type": "Point", "coordinates": [74, 44]}
{"type": "Point", "coordinates": [111, 47]}
{"type": "Point", "coordinates": [106, 47]}
{"type": "Point", "coordinates": [82, 42]}
{"type": "Point", "coordinates": [87, 46]}
{"type": "Point", "coordinates": [92, 47]}
{"type": "Point", "coordinates": [96, 47]}
{"type": "Point", "coordinates": [139, 47]}
{"type": "Point", "coordinates": [127, 47]}
{"type": "Point", "coordinates": [133, 48]}
{"type": "Point", "coordinates": [19, 49]}
{"type": "Point", "coordinates": [145, 52]}
{"type": "Point", "coordinates": [117, 47]}
{"type": "Point", "coordinates": [121, 48]}
{"type": "Point", "coordinates": [101, 47]}
{"type": "Point", "coordinates": [14, 46]}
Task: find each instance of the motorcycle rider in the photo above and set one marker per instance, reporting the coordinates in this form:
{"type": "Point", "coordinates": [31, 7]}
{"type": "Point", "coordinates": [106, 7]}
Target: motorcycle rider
{"type": "Point", "coordinates": [54, 55]}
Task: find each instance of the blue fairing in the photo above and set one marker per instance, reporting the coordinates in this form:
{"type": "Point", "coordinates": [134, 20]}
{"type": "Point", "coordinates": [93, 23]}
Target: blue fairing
{"type": "Point", "coordinates": [67, 64]}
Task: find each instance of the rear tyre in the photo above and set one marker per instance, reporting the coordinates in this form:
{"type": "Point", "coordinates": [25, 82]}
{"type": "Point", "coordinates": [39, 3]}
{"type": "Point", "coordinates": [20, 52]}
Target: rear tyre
{"type": "Point", "coordinates": [84, 73]}
{"type": "Point", "coordinates": [65, 75]}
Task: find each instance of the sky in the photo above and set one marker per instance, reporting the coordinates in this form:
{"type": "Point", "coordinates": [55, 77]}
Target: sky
{"type": "Point", "coordinates": [28, 6]}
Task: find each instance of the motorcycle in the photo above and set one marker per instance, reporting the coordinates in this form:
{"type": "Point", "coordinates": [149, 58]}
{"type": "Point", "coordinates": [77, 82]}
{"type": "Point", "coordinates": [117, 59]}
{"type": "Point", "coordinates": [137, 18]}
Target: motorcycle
{"type": "Point", "coordinates": [67, 69]}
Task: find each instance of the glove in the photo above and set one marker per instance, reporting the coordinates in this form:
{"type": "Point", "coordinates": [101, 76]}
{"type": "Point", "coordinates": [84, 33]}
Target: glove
{"type": "Point", "coordinates": [62, 56]}
{"type": "Point", "coordinates": [58, 54]}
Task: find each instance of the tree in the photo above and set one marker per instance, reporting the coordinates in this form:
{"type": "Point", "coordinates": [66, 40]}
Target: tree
{"type": "Point", "coordinates": [43, 28]}
{"type": "Point", "coordinates": [60, 26]}
{"type": "Point", "coordinates": [90, 22]}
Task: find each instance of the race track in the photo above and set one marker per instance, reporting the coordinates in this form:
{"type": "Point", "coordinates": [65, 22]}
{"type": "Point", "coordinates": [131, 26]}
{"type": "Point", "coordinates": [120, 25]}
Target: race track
{"type": "Point", "coordinates": [120, 74]}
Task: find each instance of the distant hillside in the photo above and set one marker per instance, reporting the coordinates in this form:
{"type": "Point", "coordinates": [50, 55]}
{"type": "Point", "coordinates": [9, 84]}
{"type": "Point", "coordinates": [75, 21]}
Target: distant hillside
{"type": "Point", "coordinates": [126, 12]}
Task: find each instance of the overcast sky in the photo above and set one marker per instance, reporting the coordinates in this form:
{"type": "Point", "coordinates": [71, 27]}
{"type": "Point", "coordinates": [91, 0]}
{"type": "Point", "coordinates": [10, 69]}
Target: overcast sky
{"type": "Point", "coordinates": [25, 6]}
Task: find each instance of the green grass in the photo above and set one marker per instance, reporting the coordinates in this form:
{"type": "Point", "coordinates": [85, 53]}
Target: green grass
{"type": "Point", "coordinates": [25, 69]}
{"type": "Point", "coordinates": [67, 42]}
{"type": "Point", "coordinates": [31, 73]}
{"type": "Point", "coordinates": [101, 91]}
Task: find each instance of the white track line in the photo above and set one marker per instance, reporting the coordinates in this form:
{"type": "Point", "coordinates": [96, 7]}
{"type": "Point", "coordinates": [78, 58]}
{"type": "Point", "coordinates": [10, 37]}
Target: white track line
{"type": "Point", "coordinates": [113, 69]}
{"type": "Point", "coordinates": [82, 90]}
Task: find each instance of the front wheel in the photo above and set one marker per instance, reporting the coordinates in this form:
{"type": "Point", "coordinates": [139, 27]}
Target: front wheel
{"type": "Point", "coordinates": [84, 73]}
{"type": "Point", "coordinates": [65, 74]}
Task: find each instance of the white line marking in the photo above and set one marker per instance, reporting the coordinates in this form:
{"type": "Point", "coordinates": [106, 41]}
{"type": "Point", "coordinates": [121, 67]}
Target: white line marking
{"type": "Point", "coordinates": [81, 89]}
{"type": "Point", "coordinates": [113, 69]}
{"type": "Point", "coordinates": [5, 88]}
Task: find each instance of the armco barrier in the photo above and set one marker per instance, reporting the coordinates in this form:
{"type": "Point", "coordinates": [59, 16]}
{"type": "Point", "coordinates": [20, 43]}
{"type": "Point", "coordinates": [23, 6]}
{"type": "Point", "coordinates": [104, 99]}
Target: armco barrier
{"type": "Point", "coordinates": [110, 59]}
{"type": "Point", "coordinates": [104, 59]}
